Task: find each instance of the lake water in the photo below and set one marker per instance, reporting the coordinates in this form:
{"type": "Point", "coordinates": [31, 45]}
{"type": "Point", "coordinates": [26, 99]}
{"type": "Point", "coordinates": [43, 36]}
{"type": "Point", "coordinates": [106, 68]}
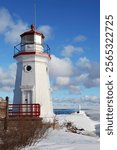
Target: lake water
{"type": "Point", "coordinates": [63, 111]}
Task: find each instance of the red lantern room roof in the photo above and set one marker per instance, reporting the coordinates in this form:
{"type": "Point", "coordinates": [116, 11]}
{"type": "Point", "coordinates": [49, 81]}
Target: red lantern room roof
{"type": "Point", "coordinates": [32, 31]}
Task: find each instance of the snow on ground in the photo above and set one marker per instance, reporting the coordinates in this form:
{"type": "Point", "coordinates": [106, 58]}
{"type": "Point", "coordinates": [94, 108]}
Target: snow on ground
{"type": "Point", "coordinates": [81, 121]}
{"type": "Point", "coordinates": [62, 139]}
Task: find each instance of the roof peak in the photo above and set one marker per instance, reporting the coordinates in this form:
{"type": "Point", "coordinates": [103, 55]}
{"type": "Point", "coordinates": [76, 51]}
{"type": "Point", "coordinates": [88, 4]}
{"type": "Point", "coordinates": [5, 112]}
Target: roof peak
{"type": "Point", "coordinates": [32, 31]}
{"type": "Point", "coordinates": [32, 27]}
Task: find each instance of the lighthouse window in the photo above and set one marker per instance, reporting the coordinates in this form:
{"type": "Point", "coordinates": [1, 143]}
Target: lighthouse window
{"type": "Point", "coordinates": [28, 68]}
{"type": "Point", "coordinates": [28, 39]}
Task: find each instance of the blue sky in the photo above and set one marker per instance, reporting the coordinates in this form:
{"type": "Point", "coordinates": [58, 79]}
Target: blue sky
{"type": "Point", "coordinates": [72, 31]}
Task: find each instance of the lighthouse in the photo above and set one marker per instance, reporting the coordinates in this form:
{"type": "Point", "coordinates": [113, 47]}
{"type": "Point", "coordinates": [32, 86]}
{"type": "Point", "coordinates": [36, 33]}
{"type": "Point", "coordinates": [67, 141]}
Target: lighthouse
{"type": "Point", "coordinates": [32, 83]}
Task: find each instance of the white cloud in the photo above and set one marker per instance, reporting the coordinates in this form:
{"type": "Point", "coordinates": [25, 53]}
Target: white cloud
{"type": "Point", "coordinates": [83, 77]}
{"type": "Point", "coordinates": [94, 70]}
{"type": "Point", "coordinates": [13, 35]}
{"type": "Point", "coordinates": [5, 19]}
{"type": "Point", "coordinates": [92, 82]}
{"type": "Point", "coordinates": [11, 28]}
{"type": "Point", "coordinates": [62, 71]}
{"type": "Point", "coordinates": [70, 49]}
{"type": "Point", "coordinates": [89, 98]}
{"type": "Point", "coordinates": [86, 101]}
{"type": "Point", "coordinates": [7, 78]}
{"type": "Point", "coordinates": [47, 31]}
{"type": "Point", "coordinates": [89, 73]}
{"type": "Point", "coordinates": [60, 67]}
{"type": "Point", "coordinates": [80, 38]}
{"type": "Point", "coordinates": [62, 81]}
{"type": "Point", "coordinates": [2, 74]}
{"type": "Point", "coordinates": [83, 62]}
{"type": "Point", "coordinates": [74, 89]}
{"type": "Point", "coordinates": [87, 81]}
{"type": "Point", "coordinates": [64, 75]}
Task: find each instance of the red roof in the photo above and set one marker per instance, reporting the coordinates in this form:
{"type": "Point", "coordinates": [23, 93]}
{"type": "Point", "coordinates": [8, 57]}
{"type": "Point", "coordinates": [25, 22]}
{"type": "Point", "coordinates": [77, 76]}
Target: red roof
{"type": "Point", "coordinates": [32, 31]}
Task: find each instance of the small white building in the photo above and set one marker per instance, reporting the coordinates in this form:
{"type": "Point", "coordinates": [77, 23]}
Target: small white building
{"type": "Point", "coordinates": [32, 78]}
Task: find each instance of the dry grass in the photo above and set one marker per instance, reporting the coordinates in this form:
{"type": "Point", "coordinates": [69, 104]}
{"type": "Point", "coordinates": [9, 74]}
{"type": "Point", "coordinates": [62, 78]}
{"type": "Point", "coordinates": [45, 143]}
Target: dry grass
{"type": "Point", "coordinates": [22, 132]}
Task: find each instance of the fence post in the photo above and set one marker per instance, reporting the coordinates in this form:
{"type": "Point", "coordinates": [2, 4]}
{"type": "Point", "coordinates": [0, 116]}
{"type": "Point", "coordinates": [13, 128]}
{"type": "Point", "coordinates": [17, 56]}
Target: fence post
{"type": "Point", "coordinates": [6, 115]}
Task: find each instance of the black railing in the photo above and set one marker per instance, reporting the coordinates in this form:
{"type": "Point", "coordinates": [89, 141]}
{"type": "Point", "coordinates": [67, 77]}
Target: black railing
{"type": "Point", "coordinates": [18, 48]}
{"type": "Point", "coordinates": [46, 48]}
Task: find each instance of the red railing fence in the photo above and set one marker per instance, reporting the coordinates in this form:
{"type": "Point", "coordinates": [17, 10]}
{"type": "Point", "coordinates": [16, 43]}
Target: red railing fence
{"type": "Point", "coordinates": [22, 110]}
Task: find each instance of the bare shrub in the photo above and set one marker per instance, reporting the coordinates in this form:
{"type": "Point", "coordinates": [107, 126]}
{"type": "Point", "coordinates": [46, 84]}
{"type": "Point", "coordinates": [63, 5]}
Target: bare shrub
{"type": "Point", "coordinates": [22, 132]}
{"type": "Point", "coordinates": [70, 127]}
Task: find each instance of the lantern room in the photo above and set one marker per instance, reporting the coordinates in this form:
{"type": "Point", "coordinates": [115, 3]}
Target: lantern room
{"type": "Point", "coordinates": [31, 41]}
{"type": "Point", "coordinates": [32, 36]}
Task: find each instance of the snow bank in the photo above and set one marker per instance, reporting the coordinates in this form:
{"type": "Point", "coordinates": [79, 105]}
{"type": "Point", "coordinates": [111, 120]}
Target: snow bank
{"type": "Point", "coordinates": [79, 120]}
{"type": "Point", "coordinates": [62, 140]}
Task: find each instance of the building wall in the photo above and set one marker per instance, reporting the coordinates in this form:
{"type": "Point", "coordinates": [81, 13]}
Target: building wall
{"type": "Point", "coordinates": [33, 86]}
{"type": "Point", "coordinates": [43, 95]}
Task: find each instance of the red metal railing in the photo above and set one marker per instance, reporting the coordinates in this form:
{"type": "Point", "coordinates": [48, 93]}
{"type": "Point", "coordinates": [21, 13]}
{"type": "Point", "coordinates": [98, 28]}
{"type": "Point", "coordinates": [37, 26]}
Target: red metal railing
{"type": "Point", "coordinates": [20, 110]}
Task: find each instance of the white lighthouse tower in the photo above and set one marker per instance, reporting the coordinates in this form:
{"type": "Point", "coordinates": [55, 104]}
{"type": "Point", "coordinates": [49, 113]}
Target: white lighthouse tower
{"type": "Point", "coordinates": [32, 78]}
